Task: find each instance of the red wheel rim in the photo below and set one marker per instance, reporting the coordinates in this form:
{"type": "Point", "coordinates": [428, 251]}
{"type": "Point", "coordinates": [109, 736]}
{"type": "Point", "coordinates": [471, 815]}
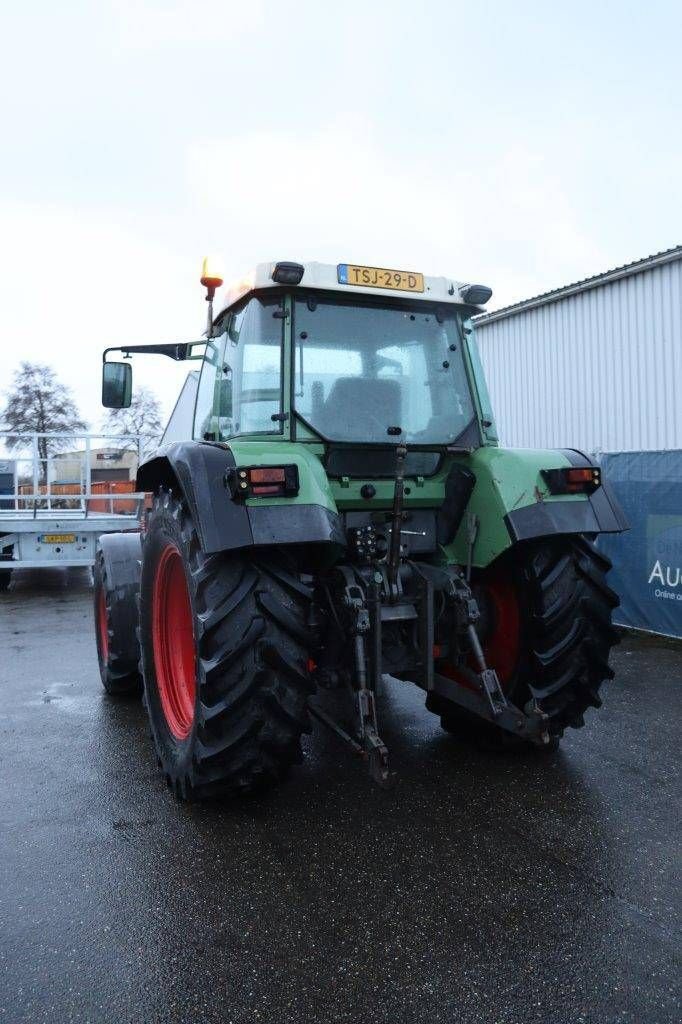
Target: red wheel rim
{"type": "Point", "coordinates": [501, 646]}
{"type": "Point", "coordinates": [103, 625]}
{"type": "Point", "coordinates": [502, 643]}
{"type": "Point", "coordinates": [173, 640]}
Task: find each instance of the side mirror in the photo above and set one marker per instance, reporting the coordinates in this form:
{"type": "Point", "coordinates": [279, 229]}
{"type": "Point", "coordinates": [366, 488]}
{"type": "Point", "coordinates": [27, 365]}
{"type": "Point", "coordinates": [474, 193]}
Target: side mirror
{"type": "Point", "coordinates": [117, 385]}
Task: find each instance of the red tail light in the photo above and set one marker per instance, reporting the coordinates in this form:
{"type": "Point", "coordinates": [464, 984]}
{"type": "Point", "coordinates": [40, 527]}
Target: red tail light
{"type": "Point", "coordinates": [267, 481]}
{"type": "Point", "coordinates": [573, 479]}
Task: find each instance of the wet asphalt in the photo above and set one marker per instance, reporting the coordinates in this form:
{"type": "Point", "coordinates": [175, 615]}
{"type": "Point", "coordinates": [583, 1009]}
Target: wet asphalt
{"type": "Point", "coordinates": [483, 887]}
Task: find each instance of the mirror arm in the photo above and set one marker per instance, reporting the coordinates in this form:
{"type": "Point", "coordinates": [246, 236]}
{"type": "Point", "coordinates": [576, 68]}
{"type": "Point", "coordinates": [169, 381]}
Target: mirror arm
{"type": "Point", "coordinates": [177, 352]}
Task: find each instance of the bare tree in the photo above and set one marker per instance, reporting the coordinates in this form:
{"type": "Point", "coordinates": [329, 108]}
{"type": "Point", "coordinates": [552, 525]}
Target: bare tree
{"type": "Point", "coordinates": [38, 403]}
{"type": "Point", "coordinates": [142, 417]}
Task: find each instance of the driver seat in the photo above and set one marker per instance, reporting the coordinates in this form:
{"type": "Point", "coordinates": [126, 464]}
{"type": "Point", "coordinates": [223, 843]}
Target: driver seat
{"type": "Point", "coordinates": [361, 409]}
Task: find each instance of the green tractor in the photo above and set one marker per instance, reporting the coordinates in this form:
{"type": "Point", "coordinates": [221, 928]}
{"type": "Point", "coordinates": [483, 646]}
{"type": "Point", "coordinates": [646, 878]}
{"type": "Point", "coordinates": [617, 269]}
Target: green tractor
{"type": "Point", "coordinates": [341, 512]}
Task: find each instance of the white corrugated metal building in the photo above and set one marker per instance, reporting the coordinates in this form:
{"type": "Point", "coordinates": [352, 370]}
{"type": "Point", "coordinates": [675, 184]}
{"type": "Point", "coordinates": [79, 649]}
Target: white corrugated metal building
{"type": "Point", "coordinates": [596, 365]}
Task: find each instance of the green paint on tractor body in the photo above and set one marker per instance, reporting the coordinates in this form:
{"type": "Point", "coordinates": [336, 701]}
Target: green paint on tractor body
{"type": "Point", "coordinates": [507, 479]}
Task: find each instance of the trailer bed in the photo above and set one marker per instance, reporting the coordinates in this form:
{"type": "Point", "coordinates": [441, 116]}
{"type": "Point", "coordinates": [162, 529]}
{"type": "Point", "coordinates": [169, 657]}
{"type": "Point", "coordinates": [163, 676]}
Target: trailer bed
{"type": "Point", "coordinates": [49, 537]}
{"type": "Point", "coordinates": [54, 523]}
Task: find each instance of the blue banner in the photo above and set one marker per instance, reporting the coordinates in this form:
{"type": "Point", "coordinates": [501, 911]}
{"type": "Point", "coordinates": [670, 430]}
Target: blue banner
{"type": "Point", "coordinates": [647, 560]}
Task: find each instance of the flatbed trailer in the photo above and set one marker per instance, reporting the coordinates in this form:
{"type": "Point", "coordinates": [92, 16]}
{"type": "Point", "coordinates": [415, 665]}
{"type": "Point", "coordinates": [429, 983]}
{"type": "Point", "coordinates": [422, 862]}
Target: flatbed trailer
{"type": "Point", "coordinates": [46, 522]}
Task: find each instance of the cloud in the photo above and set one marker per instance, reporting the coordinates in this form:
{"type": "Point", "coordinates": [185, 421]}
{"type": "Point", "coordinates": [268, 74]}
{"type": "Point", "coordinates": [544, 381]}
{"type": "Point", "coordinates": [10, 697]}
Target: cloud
{"type": "Point", "coordinates": [335, 194]}
{"type": "Point", "coordinates": [73, 283]}
{"type": "Point", "coordinates": [76, 280]}
{"type": "Point", "coordinates": [150, 24]}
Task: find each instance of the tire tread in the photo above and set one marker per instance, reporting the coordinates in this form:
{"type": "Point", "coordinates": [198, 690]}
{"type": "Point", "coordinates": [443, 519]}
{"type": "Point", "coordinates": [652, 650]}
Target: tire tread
{"type": "Point", "coordinates": [251, 680]}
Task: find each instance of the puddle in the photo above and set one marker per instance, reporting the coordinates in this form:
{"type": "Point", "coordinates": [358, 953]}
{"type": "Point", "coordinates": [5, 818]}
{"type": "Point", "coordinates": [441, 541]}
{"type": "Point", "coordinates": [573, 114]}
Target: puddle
{"type": "Point", "coordinates": [61, 695]}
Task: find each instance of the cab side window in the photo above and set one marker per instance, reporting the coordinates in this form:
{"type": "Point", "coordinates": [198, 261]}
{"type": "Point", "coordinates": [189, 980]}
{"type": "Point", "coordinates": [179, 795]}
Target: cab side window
{"type": "Point", "coordinates": [205, 420]}
{"type": "Point", "coordinates": [240, 388]}
{"type": "Point", "coordinates": [249, 381]}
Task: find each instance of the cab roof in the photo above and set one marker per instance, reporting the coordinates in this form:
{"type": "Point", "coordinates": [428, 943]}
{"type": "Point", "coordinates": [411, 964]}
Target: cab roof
{"type": "Point", "coordinates": [332, 277]}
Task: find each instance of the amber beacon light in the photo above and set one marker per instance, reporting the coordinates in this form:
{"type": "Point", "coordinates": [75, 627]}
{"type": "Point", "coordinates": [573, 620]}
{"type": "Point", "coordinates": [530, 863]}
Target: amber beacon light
{"type": "Point", "coordinates": [210, 276]}
{"type": "Point", "coordinates": [211, 279]}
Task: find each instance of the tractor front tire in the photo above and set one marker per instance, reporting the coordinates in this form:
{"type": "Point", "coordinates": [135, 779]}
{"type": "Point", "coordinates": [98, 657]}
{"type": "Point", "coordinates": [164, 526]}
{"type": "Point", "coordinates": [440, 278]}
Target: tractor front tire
{"type": "Point", "coordinates": [116, 633]}
{"type": "Point", "coordinates": [550, 634]}
{"type": "Point", "coordinates": [223, 643]}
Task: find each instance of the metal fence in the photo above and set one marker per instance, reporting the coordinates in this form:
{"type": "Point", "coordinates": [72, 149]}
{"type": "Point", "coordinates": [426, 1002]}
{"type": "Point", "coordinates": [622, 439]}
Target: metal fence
{"type": "Point", "coordinates": [51, 510]}
{"type": "Point", "coordinates": [37, 480]}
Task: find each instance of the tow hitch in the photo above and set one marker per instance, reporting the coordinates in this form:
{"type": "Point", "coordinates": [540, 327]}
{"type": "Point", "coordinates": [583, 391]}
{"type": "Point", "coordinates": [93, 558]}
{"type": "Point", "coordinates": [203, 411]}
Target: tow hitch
{"type": "Point", "coordinates": [368, 745]}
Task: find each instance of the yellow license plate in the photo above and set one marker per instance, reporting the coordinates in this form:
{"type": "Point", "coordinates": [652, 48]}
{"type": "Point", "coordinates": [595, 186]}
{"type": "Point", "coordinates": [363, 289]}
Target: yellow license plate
{"type": "Point", "coordinates": [58, 538]}
{"type": "Point", "coordinates": [378, 277]}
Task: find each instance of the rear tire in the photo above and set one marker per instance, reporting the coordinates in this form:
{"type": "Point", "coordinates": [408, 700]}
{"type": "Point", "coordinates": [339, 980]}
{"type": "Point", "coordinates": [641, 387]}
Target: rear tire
{"type": "Point", "coordinates": [5, 579]}
{"type": "Point", "coordinates": [571, 633]}
{"type": "Point", "coordinates": [564, 638]}
{"type": "Point", "coordinates": [223, 642]}
{"type": "Point", "coordinates": [116, 633]}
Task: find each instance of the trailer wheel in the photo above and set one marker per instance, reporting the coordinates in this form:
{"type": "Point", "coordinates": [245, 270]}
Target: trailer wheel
{"type": "Point", "coordinates": [116, 633]}
{"type": "Point", "coordinates": [546, 629]}
{"type": "Point", "coordinates": [5, 579]}
{"type": "Point", "coordinates": [223, 643]}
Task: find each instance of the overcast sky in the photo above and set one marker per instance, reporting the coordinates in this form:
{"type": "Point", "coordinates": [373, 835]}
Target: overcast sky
{"type": "Point", "coordinates": [520, 144]}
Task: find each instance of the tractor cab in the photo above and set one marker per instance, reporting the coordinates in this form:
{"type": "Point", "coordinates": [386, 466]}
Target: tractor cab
{"type": "Point", "coordinates": [339, 355]}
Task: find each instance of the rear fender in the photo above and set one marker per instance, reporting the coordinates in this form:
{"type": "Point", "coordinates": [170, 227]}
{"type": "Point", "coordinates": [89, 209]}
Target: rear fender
{"type": "Point", "coordinates": [199, 471]}
{"type": "Point", "coordinates": [512, 503]}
